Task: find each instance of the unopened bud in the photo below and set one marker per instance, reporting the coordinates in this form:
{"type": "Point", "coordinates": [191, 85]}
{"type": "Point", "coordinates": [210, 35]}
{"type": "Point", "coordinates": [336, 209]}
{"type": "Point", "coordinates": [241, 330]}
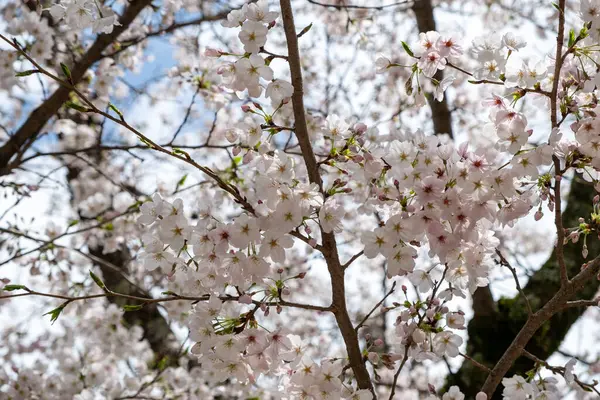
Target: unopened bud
{"type": "Point", "coordinates": [360, 128]}
{"type": "Point", "coordinates": [308, 230]}
{"type": "Point", "coordinates": [301, 275]}
{"type": "Point", "coordinates": [404, 288]}
{"type": "Point", "coordinates": [248, 157]}
{"type": "Point", "coordinates": [538, 215]}
{"type": "Point", "coordinates": [279, 309]}
{"type": "Point", "coordinates": [286, 291]}
{"type": "Point", "coordinates": [246, 108]}
{"type": "Point", "coordinates": [245, 299]}
{"type": "Point", "coordinates": [431, 388]}
{"type": "Point", "coordinates": [379, 342]}
{"type": "Point", "coordinates": [212, 52]}
{"type": "Point", "coordinates": [312, 243]}
{"type": "Point", "coordinates": [481, 396]}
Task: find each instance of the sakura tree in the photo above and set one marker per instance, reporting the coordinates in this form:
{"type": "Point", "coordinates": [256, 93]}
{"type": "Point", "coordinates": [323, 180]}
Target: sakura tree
{"type": "Point", "coordinates": [299, 200]}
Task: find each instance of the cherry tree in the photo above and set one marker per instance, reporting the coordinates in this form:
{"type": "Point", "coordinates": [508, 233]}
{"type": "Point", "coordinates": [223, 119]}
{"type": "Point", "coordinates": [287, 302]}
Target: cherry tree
{"type": "Point", "coordinates": [316, 201]}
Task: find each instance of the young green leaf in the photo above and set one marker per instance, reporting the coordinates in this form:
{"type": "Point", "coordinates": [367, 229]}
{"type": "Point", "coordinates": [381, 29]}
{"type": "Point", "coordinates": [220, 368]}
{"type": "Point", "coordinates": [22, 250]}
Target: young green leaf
{"type": "Point", "coordinates": [117, 111]}
{"type": "Point", "coordinates": [54, 314]}
{"type": "Point", "coordinates": [407, 49]}
{"type": "Point", "coordinates": [181, 181]}
{"type": "Point", "coordinates": [10, 288]}
{"type": "Point", "coordinates": [571, 37]}
{"type": "Point", "coordinates": [98, 281]}
{"type": "Point", "coordinates": [67, 72]}
{"type": "Point", "coordinates": [27, 73]}
{"type": "Point", "coordinates": [77, 107]}
{"type": "Point", "coordinates": [306, 29]}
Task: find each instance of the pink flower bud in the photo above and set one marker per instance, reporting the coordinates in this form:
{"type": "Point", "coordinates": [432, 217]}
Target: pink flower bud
{"type": "Point", "coordinates": [308, 230]}
{"type": "Point", "coordinates": [360, 128]}
{"type": "Point", "coordinates": [379, 342]}
{"type": "Point", "coordinates": [236, 151]}
{"type": "Point", "coordinates": [279, 309]}
{"type": "Point", "coordinates": [246, 108]}
{"type": "Point", "coordinates": [481, 396]}
{"type": "Point", "coordinates": [373, 357]}
{"type": "Point", "coordinates": [430, 313]}
{"type": "Point", "coordinates": [212, 52]}
{"type": "Point", "coordinates": [248, 157]}
{"type": "Point", "coordinates": [538, 215]}
{"type": "Point", "coordinates": [301, 275]}
{"type": "Point", "coordinates": [431, 388]}
{"type": "Point", "coordinates": [312, 243]}
{"type": "Point", "coordinates": [245, 299]}
{"type": "Point", "coordinates": [286, 291]}
{"type": "Point", "coordinates": [404, 288]}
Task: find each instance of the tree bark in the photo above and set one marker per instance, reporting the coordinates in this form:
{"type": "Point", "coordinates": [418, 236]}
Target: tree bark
{"type": "Point", "coordinates": [492, 333]}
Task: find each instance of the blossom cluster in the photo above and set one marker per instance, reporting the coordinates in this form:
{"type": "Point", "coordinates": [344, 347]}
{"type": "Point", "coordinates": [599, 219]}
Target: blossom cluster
{"type": "Point", "coordinates": [82, 14]}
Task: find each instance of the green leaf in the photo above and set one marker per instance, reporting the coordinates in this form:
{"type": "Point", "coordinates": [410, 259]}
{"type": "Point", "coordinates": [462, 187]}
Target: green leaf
{"type": "Point", "coordinates": [67, 72]}
{"type": "Point", "coordinates": [98, 281]}
{"type": "Point", "coordinates": [182, 180]}
{"type": "Point", "coordinates": [10, 288]}
{"type": "Point", "coordinates": [28, 72]}
{"type": "Point", "coordinates": [407, 49]}
{"type": "Point", "coordinates": [116, 110]}
{"type": "Point", "coordinates": [306, 29]}
{"type": "Point", "coordinates": [54, 314]}
{"type": "Point", "coordinates": [130, 307]}
{"type": "Point", "coordinates": [73, 222]}
{"type": "Point", "coordinates": [75, 106]}
{"type": "Point", "coordinates": [571, 37]}
{"type": "Point", "coordinates": [147, 143]}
